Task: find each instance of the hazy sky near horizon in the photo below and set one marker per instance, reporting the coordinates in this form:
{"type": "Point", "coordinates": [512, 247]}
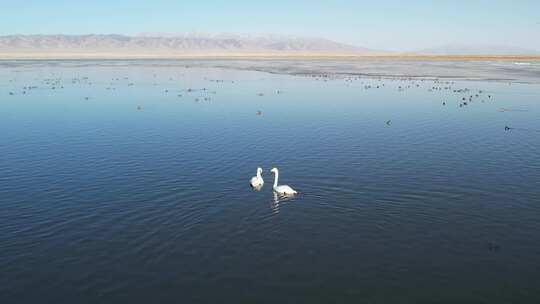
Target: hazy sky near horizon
{"type": "Point", "coordinates": [381, 24]}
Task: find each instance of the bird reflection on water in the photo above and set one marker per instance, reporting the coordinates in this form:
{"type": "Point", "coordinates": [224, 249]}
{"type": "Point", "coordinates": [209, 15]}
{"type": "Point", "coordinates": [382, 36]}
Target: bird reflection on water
{"type": "Point", "coordinates": [279, 200]}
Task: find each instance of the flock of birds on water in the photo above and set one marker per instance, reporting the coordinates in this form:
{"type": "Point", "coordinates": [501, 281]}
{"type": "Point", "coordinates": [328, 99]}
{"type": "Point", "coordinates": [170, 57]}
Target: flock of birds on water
{"type": "Point", "coordinates": [466, 95]}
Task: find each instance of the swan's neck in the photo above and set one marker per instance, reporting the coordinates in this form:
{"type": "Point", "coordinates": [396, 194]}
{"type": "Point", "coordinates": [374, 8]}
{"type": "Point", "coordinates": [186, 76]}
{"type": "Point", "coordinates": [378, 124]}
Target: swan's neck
{"type": "Point", "coordinates": [258, 174]}
{"type": "Point", "coordinates": [276, 176]}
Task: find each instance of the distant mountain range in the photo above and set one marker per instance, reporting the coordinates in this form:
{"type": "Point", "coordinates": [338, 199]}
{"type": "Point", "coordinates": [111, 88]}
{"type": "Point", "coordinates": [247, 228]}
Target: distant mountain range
{"type": "Point", "coordinates": [179, 44]}
{"type": "Point", "coordinates": [176, 45]}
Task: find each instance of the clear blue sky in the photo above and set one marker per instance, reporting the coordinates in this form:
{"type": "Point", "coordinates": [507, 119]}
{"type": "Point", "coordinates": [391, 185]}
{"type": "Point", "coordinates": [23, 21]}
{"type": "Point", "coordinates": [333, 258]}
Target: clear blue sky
{"type": "Point", "coordinates": [381, 24]}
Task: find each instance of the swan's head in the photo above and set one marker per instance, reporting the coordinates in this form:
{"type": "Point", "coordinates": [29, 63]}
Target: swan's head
{"type": "Point", "coordinates": [259, 170]}
{"type": "Point", "coordinates": [274, 170]}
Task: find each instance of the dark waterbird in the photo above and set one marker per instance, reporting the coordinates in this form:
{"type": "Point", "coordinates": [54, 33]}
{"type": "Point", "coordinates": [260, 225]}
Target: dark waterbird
{"type": "Point", "coordinates": [493, 247]}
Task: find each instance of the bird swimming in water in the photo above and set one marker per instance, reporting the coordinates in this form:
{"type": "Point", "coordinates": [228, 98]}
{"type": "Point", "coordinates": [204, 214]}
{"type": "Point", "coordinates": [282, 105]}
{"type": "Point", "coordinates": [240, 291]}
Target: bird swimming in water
{"type": "Point", "coordinates": [281, 189]}
{"type": "Point", "coordinates": [257, 181]}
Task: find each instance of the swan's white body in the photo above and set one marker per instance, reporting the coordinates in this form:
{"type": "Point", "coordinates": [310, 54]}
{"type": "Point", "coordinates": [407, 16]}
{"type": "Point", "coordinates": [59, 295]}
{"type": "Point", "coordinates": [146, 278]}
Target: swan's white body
{"type": "Point", "coordinates": [281, 189]}
{"type": "Point", "coordinates": [257, 181]}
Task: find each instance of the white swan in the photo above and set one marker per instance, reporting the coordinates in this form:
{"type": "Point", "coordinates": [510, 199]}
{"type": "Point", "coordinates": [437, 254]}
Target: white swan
{"type": "Point", "coordinates": [281, 189]}
{"type": "Point", "coordinates": [257, 181]}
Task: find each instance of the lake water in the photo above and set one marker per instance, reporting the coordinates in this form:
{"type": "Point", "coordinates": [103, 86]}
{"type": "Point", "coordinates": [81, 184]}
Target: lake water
{"type": "Point", "coordinates": [128, 183]}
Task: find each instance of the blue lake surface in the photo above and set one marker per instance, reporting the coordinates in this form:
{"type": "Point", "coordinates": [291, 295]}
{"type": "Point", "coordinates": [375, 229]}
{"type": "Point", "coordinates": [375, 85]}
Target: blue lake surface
{"type": "Point", "coordinates": [128, 183]}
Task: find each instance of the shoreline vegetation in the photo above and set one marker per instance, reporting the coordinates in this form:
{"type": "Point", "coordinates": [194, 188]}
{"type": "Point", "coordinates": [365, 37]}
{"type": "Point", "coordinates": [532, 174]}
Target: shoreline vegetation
{"type": "Point", "coordinates": [90, 55]}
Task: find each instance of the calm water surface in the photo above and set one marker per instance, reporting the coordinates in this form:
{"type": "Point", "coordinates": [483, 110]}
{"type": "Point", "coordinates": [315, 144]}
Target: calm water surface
{"type": "Point", "coordinates": [126, 183]}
